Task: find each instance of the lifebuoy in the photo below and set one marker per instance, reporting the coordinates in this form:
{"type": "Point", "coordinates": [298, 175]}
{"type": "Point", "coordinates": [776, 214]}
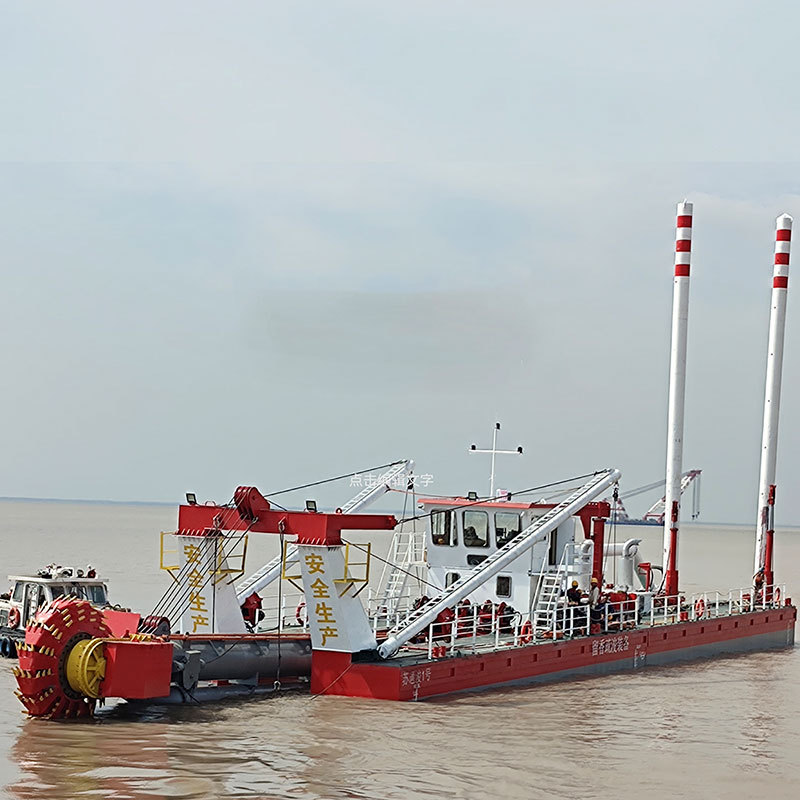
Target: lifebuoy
{"type": "Point", "coordinates": [526, 632]}
{"type": "Point", "coordinates": [302, 618]}
{"type": "Point", "coordinates": [13, 617]}
{"type": "Point", "coordinates": [700, 608]}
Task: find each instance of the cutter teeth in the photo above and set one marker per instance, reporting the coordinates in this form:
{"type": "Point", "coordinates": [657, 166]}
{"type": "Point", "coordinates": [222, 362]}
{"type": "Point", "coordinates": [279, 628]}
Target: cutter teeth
{"type": "Point", "coordinates": [40, 689]}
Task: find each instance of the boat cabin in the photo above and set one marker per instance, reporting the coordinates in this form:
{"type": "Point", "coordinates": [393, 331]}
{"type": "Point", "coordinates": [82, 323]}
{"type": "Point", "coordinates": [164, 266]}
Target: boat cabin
{"type": "Point", "coordinates": [28, 593]}
{"type": "Point", "coordinates": [462, 533]}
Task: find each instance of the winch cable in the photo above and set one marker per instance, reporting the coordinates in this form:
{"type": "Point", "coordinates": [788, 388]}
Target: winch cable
{"type": "Point", "coordinates": [178, 593]}
{"type": "Point", "coordinates": [391, 564]}
{"type": "Point", "coordinates": [487, 498]}
{"type": "Point", "coordinates": [614, 537]}
{"type": "Point", "coordinates": [337, 478]}
{"type": "Point", "coordinates": [613, 523]}
{"type": "Point", "coordinates": [277, 684]}
{"type": "Point", "coordinates": [182, 602]}
{"type": "Point", "coordinates": [166, 598]}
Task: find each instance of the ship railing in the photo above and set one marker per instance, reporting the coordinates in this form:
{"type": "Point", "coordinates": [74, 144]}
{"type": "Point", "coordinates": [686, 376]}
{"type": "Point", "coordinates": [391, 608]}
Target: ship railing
{"type": "Point", "coordinates": [475, 629]}
{"type": "Point", "coordinates": [712, 604]}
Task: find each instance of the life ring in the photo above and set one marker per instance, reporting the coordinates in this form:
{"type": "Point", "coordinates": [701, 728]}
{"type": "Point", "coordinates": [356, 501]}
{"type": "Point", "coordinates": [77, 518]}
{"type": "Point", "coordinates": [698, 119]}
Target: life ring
{"type": "Point", "coordinates": [526, 632]}
{"type": "Point", "coordinates": [776, 596]}
{"type": "Point", "coordinates": [13, 617]}
{"type": "Point", "coordinates": [300, 616]}
{"type": "Point", "coordinates": [699, 608]}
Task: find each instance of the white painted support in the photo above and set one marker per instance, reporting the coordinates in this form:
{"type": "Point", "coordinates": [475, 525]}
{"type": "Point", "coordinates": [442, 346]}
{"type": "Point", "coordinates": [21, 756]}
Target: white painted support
{"type": "Point", "coordinates": [677, 392]}
{"type": "Point", "coordinates": [336, 618]}
{"type": "Point", "coordinates": [772, 393]}
{"type": "Point", "coordinates": [209, 600]}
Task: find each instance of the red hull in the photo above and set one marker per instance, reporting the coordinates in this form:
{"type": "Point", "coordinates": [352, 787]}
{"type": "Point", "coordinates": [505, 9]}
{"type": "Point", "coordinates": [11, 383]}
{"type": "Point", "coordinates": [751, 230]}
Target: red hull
{"type": "Point", "coordinates": [416, 679]}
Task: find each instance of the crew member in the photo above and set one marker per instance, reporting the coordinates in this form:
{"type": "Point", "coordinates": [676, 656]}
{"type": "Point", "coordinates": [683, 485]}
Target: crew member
{"type": "Point", "coordinates": [594, 593]}
{"type": "Point", "coordinates": [574, 594]}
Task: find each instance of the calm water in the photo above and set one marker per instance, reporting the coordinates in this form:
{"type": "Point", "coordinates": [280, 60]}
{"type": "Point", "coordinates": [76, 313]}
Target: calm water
{"type": "Point", "coordinates": [728, 728]}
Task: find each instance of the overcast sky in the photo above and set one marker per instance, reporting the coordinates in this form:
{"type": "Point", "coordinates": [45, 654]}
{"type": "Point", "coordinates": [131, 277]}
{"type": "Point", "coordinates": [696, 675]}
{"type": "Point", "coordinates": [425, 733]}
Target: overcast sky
{"type": "Point", "coordinates": [270, 242]}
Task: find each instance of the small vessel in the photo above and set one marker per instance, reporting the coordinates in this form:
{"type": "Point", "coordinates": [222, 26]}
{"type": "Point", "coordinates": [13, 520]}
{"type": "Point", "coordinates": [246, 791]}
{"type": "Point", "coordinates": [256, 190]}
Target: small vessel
{"type": "Point", "coordinates": [29, 593]}
{"type": "Point", "coordinates": [513, 590]}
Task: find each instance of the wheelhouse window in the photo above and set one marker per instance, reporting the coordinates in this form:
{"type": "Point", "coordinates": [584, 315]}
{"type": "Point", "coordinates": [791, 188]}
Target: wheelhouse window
{"type": "Point", "coordinates": [476, 529]}
{"type": "Point", "coordinates": [96, 594]}
{"type": "Point", "coordinates": [443, 528]}
{"type": "Point", "coordinates": [503, 586]}
{"type": "Point", "coordinates": [19, 588]}
{"type": "Point", "coordinates": [57, 591]}
{"type": "Point", "coordinates": [507, 526]}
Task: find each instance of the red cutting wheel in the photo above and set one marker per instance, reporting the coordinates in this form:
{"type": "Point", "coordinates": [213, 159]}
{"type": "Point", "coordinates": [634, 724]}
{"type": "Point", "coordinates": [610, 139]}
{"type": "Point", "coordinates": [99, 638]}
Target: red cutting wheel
{"type": "Point", "coordinates": [49, 638]}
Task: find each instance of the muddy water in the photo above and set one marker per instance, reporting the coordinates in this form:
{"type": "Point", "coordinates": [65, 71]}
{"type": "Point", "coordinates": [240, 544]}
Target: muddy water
{"type": "Point", "coordinates": [727, 728]}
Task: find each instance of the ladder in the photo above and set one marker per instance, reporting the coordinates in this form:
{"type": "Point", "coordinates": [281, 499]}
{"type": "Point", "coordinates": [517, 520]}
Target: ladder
{"type": "Point", "coordinates": [421, 617]}
{"type": "Point", "coordinates": [406, 553]}
{"type": "Point", "coordinates": [548, 592]}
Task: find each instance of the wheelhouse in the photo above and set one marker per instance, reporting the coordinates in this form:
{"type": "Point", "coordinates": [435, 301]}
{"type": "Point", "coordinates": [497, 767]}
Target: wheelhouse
{"type": "Point", "coordinates": [462, 533]}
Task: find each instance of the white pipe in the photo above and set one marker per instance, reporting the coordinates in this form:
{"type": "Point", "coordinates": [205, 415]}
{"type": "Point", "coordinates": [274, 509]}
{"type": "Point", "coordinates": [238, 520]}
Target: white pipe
{"type": "Point", "coordinates": [418, 620]}
{"type": "Point", "coordinates": [677, 392]}
{"type": "Point", "coordinates": [772, 394]}
{"type": "Point", "coordinates": [628, 552]}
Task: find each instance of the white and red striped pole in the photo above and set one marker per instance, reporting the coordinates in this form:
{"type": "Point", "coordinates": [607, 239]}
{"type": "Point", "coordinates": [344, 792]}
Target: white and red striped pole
{"type": "Point", "coordinates": [677, 393]}
{"type": "Point", "coordinates": [772, 404]}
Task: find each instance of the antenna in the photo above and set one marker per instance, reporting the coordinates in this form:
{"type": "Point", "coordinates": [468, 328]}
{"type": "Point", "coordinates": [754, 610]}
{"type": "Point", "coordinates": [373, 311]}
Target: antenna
{"type": "Point", "coordinates": [495, 452]}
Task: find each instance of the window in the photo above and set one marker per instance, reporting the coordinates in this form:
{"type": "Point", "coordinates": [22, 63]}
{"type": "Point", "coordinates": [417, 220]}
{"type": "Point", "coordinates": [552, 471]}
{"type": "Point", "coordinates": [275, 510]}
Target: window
{"type": "Point", "coordinates": [451, 578]}
{"type": "Point", "coordinates": [506, 526]}
{"type": "Point", "coordinates": [97, 594]}
{"type": "Point", "coordinates": [18, 589]}
{"type": "Point", "coordinates": [503, 586]}
{"type": "Point", "coordinates": [57, 591]}
{"type": "Point", "coordinates": [476, 529]}
{"type": "Point", "coordinates": [443, 528]}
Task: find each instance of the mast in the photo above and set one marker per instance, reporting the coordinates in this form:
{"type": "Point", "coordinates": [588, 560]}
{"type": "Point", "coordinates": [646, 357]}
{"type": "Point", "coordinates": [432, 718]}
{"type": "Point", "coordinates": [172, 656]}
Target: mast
{"type": "Point", "coordinates": [677, 393]}
{"type": "Point", "coordinates": [765, 527]}
{"type": "Point", "coordinates": [494, 451]}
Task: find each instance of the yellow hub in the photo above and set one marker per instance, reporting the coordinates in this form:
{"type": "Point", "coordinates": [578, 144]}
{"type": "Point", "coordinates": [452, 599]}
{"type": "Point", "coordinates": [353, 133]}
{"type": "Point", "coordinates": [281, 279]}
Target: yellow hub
{"type": "Point", "coordinates": [86, 667]}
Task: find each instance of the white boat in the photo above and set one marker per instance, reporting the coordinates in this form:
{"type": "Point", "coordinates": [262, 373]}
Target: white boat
{"type": "Point", "coordinates": [29, 593]}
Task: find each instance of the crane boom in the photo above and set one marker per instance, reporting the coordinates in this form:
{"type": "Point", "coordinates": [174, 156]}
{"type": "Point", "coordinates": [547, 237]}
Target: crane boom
{"type": "Point", "coordinates": [656, 512]}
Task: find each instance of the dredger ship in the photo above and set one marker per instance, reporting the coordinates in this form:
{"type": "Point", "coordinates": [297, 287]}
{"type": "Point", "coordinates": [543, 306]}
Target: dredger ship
{"type": "Point", "coordinates": [477, 592]}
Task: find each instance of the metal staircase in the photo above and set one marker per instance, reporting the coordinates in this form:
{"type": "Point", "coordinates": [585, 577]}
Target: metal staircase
{"type": "Point", "coordinates": [407, 553]}
{"type": "Point", "coordinates": [548, 592]}
{"type": "Point", "coordinates": [421, 617]}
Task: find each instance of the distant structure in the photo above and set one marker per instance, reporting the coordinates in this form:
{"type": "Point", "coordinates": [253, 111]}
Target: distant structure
{"type": "Point", "coordinates": [655, 514]}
